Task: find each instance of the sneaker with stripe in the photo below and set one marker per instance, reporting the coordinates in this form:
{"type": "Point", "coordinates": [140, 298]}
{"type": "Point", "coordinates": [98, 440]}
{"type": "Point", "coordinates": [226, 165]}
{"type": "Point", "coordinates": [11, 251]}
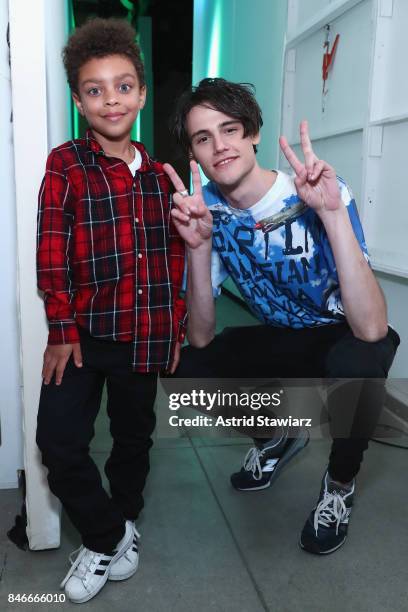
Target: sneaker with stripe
{"type": "Point", "coordinates": [127, 564]}
{"type": "Point", "coordinates": [326, 528]}
{"type": "Point", "coordinates": [263, 464]}
{"type": "Point", "coordinates": [90, 570]}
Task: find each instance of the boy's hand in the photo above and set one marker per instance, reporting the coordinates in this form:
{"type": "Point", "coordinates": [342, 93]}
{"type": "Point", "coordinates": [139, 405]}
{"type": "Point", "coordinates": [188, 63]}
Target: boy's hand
{"type": "Point", "coordinates": [191, 216]}
{"type": "Point", "coordinates": [55, 360]}
{"type": "Point", "coordinates": [176, 358]}
{"type": "Point", "coordinates": [316, 181]}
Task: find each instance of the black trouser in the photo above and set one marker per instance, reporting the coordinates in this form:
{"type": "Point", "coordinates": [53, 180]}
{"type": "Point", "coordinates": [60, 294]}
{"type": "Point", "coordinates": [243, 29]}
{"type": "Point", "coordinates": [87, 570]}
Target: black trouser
{"type": "Point", "coordinates": [330, 351]}
{"type": "Point", "coordinates": [65, 429]}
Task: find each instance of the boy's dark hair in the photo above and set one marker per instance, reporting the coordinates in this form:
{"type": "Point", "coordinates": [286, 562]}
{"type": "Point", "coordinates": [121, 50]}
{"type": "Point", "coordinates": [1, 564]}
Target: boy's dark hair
{"type": "Point", "coordinates": [100, 38]}
{"type": "Point", "coordinates": [237, 100]}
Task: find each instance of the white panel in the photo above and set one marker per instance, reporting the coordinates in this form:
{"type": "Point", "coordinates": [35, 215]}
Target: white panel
{"type": "Point", "coordinates": [386, 8]}
{"type": "Point", "coordinates": [375, 137]}
{"type": "Point", "coordinates": [11, 456]}
{"type": "Point", "coordinates": [306, 16]}
{"type": "Point", "coordinates": [390, 77]}
{"type": "Point", "coordinates": [309, 9]}
{"type": "Point", "coordinates": [27, 34]}
{"type": "Point", "coordinates": [386, 213]}
{"type": "Point", "coordinates": [367, 86]}
{"type": "Point", "coordinates": [348, 82]}
{"type": "Point", "coordinates": [291, 60]}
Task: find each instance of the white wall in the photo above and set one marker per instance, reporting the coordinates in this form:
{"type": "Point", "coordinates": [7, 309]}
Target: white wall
{"type": "Point", "coordinates": [10, 398]}
{"type": "Point", "coordinates": [40, 120]}
{"type": "Point", "coordinates": [362, 135]}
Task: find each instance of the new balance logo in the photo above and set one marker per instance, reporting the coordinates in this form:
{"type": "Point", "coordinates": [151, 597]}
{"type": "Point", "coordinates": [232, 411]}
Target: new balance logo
{"type": "Point", "coordinates": [270, 465]}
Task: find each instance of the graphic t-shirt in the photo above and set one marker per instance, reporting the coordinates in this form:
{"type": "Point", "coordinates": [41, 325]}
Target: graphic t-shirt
{"type": "Point", "coordinates": [278, 254]}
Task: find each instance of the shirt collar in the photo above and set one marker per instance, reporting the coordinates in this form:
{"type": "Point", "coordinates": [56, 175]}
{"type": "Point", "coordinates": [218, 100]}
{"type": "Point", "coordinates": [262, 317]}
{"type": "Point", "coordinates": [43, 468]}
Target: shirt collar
{"type": "Point", "coordinates": [94, 147]}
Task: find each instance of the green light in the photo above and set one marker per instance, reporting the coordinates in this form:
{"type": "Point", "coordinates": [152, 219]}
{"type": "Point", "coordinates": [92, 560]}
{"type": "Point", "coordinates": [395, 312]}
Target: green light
{"type": "Point", "coordinates": [75, 120]}
{"type": "Point", "coordinates": [135, 133]}
{"type": "Point", "coordinates": [213, 68]}
{"type": "Point", "coordinates": [128, 5]}
{"type": "Point", "coordinates": [74, 112]}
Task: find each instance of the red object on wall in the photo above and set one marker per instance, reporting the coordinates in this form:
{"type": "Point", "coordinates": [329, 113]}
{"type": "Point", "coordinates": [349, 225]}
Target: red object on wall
{"type": "Point", "coordinates": [328, 57]}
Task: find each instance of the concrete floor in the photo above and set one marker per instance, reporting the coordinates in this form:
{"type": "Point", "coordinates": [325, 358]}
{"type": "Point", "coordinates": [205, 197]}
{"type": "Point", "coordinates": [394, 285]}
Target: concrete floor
{"type": "Point", "coordinates": [207, 547]}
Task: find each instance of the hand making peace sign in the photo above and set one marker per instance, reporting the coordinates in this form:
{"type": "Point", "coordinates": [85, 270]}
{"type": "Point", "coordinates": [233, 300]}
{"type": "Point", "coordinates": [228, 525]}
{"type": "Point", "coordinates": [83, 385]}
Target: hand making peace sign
{"type": "Point", "coordinates": [192, 218]}
{"type": "Point", "coordinates": [315, 180]}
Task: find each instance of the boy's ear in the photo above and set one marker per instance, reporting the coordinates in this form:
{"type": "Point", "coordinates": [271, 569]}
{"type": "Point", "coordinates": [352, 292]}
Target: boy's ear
{"type": "Point", "coordinates": [78, 103]}
{"type": "Point", "coordinates": [256, 139]}
{"type": "Point", "coordinates": [142, 96]}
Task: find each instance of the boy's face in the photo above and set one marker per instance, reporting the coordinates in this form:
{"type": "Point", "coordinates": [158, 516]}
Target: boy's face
{"type": "Point", "coordinates": [217, 143]}
{"type": "Point", "coordinates": [109, 96]}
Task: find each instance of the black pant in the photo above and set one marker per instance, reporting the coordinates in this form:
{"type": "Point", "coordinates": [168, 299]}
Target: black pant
{"type": "Point", "coordinates": [330, 351]}
{"type": "Point", "coordinates": [65, 429]}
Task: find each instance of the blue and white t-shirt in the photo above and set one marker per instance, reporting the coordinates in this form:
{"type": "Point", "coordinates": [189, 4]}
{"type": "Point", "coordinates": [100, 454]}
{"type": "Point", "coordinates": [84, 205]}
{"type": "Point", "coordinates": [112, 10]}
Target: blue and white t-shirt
{"type": "Point", "coordinates": [278, 254]}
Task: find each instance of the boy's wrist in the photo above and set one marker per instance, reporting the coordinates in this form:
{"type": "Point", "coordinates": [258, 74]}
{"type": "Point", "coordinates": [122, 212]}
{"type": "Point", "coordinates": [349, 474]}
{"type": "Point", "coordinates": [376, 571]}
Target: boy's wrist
{"type": "Point", "coordinates": [332, 218]}
{"type": "Point", "coordinates": [63, 332]}
{"type": "Point", "coordinates": [205, 247]}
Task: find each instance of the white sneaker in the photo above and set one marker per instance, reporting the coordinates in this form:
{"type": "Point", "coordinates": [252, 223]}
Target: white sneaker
{"type": "Point", "coordinates": [90, 570]}
{"type": "Point", "coordinates": [128, 563]}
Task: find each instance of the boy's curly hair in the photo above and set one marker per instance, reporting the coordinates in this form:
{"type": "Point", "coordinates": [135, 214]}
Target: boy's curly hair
{"type": "Point", "coordinates": [100, 38]}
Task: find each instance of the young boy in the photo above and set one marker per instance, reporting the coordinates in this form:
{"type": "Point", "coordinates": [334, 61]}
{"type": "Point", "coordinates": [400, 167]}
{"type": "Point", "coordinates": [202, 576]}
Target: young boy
{"type": "Point", "coordinates": [295, 249]}
{"type": "Point", "coordinates": [110, 265]}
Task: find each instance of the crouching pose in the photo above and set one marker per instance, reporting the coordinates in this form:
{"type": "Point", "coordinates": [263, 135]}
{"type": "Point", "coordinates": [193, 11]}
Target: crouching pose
{"type": "Point", "coordinates": [295, 249]}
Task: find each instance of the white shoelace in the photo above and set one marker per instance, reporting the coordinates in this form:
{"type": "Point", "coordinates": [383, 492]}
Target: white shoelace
{"type": "Point", "coordinates": [331, 509]}
{"type": "Point", "coordinates": [82, 565]}
{"type": "Point", "coordinates": [252, 462]}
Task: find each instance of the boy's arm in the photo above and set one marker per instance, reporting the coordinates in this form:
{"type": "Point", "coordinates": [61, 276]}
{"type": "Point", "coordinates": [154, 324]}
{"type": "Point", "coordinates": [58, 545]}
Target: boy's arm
{"type": "Point", "coordinates": [53, 273]}
{"type": "Point", "coordinates": [362, 298]}
{"type": "Point", "coordinates": [193, 221]}
{"type": "Point", "coordinates": [177, 257]}
{"type": "Point", "coordinates": [199, 297]}
{"type": "Point", "coordinates": [176, 265]}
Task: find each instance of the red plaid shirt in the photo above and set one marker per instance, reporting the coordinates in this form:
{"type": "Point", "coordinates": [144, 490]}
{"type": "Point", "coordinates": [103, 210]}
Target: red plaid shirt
{"type": "Point", "coordinates": [108, 256]}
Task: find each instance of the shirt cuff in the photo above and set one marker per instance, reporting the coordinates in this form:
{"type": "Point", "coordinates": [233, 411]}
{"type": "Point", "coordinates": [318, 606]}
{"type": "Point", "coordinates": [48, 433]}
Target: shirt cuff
{"type": "Point", "coordinates": [182, 329]}
{"type": "Point", "coordinates": [63, 332]}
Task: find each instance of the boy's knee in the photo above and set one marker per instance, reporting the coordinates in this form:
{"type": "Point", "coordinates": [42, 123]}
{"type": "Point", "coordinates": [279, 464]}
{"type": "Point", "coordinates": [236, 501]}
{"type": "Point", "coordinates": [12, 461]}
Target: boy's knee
{"type": "Point", "coordinates": [355, 358]}
{"type": "Point", "coordinates": [195, 362]}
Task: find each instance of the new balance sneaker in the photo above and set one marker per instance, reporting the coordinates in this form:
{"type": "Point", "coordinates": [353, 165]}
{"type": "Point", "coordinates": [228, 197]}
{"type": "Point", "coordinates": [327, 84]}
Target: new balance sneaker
{"type": "Point", "coordinates": [262, 465]}
{"type": "Point", "coordinates": [326, 528]}
{"type": "Point", "coordinates": [90, 570]}
{"type": "Point", "coordinates": [128, 563]}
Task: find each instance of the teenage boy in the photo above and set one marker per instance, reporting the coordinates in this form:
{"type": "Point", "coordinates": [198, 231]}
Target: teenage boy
{"type": "Point", "coordinates": [295, 250]}
{"type": "Point", "coordinates": [110, 264]}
